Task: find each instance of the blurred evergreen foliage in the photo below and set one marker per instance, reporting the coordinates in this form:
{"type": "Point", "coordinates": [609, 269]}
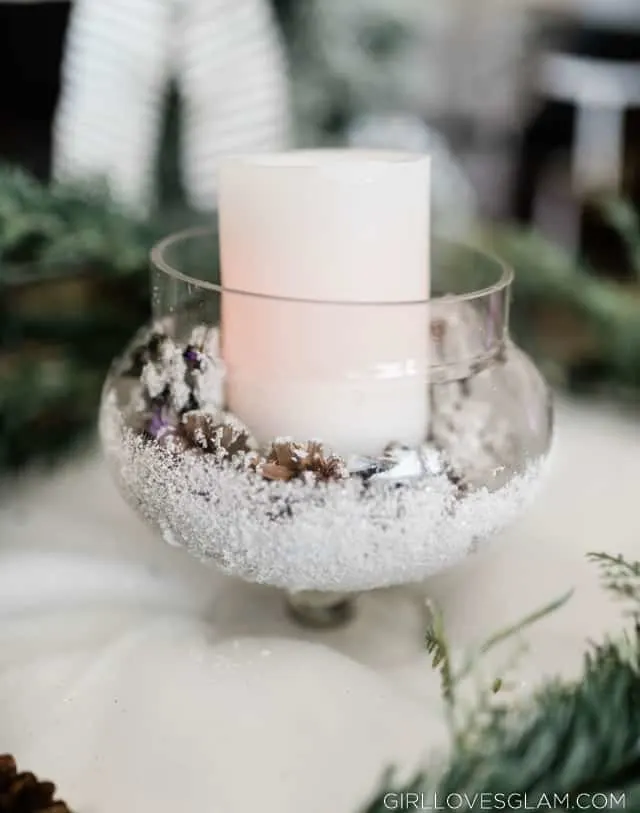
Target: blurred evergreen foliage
{"type": "Point", "coordinates": [582, 328]}
{"type": "Point", "coordinates": [74, 289]}
{"type": "Point", "coordinates": [73, 286]}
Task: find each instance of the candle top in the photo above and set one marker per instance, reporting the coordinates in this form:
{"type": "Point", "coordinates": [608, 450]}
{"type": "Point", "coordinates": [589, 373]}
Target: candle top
{"type": "Point", "coordinates": [344, 159]}
{"type": "Point", "coordinates": [327, 225]}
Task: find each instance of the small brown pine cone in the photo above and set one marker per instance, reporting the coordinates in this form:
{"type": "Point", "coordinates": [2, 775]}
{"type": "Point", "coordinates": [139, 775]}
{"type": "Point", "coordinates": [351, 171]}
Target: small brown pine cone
{"type": "Point", "coordinates": [174, 442]}
{"type": "Point", "coordinates": [204, 431]}
{"type": "Point", "coordinates": [24, 793]}
{"type": "Point", "coordinates": [330, 468]}
{"type": "Point", "coordinates": [283, 453]}
{"type": "Point", "coordinates": [233, 440]}
{"type": "Point", "coordinates": [273, 471]}
{"type": "Point", "coordinates": [287, 460]}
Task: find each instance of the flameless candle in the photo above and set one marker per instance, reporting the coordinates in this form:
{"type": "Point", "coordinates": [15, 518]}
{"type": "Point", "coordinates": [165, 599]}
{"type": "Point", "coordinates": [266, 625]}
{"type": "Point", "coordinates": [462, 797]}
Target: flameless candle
{"type": "Point", "coordinates": [325, 262]}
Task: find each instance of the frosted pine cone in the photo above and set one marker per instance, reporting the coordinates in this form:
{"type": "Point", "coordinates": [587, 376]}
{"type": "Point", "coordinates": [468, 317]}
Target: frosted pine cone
{"type": "Point", "coordinates": [211, 433]}
{"type": "Point", "coordinates": [287, 461]}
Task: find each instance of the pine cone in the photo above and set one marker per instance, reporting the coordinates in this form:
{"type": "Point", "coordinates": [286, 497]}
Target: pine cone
{"type": "Point", "coordinates": [173, 441]}
{"type": "Point", "coordinates": [287, 461]}
{"type": "Point", "coordinates": [204, 431]}
{"type": "Point", "coordinates": [24, 793]}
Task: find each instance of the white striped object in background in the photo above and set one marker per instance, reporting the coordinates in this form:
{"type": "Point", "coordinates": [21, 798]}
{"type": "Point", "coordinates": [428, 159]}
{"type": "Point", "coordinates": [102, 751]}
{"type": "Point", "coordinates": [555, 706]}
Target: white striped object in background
{"type": "Point", "coordinates": [228, 61]}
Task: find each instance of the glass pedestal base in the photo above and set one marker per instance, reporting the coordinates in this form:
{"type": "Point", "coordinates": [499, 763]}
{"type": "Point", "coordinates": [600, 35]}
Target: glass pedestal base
{"type": "Point", "coordinates": [321, 611]}
{"type": "Point", "coordinates": [386, 628]}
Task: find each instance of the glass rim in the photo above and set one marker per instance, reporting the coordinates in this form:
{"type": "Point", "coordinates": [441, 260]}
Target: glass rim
{"type": "Point", "coordinates": [506, 276]}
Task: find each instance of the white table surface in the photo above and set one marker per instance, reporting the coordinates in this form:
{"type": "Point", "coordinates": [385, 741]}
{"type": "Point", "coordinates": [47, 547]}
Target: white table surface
{"type": "Point", "coordinates": [142, 682]}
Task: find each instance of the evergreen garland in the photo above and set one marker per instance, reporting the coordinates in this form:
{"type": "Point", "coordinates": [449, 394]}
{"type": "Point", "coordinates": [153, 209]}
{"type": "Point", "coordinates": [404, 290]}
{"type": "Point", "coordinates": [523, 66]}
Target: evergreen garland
{"type": "Point", "coordinates": [583, 329]}
{"type": "Point", "coordinates": [573, 745]}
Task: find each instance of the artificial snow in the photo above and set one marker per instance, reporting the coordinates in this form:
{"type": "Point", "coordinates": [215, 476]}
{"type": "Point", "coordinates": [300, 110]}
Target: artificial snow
{"type": "Point", "coordinates": [336, 536]}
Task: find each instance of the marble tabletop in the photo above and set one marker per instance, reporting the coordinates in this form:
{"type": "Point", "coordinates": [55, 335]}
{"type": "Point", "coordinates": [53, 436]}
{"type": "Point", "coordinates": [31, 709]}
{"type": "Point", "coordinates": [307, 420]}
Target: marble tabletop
{"type": "Point", "coordinates": [142, 682]}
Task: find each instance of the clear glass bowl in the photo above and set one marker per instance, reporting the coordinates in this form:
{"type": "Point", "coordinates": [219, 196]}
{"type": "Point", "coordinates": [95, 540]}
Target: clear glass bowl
{"type": "Point", "coordinates": [387, 441]}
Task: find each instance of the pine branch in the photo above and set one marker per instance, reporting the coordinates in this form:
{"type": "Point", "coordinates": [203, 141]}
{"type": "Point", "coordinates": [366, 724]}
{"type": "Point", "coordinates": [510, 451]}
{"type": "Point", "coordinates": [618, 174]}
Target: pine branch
{"type": "Point", "coordinates": [73, 289]}
{"type": "Point", "coordinates": [603, 313]}
{"type": "Point", "coordinates": [620, 577]}
{"type": "Point", "coordinates": [569, 738]}
{"type": "Point", "coordinates": [515, 630]}
{"type": "Point", "coordinates": [55, 226]}
{"type": "Point", "coordinates": [437, 645]}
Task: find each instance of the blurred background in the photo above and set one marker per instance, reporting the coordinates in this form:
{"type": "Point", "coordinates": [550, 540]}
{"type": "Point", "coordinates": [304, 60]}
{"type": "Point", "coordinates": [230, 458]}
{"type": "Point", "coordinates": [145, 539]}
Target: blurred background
{"type": "Point", "coordinates": [115, 112]}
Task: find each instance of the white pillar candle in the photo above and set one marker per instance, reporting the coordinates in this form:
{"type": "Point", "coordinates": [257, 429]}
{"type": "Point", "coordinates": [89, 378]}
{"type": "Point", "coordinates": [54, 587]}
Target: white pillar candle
{"type": "Point", "coordinates": [328, 339]}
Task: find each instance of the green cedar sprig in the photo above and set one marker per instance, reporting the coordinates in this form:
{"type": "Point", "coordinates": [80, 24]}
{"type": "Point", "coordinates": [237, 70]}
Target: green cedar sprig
{"type": "Point", "coordinates": [569, 738]}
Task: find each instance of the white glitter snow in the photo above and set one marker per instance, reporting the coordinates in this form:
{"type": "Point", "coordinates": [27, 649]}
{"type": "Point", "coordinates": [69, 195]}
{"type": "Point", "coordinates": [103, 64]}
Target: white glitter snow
{"type": "Point", "coordinates": [298, 537]}
{"type": "Point", "coordinates": [169, 371]}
